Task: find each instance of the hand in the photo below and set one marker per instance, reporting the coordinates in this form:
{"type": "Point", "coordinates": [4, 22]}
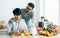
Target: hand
{"type": "Point", "coordinates": [11, 33]}
{"type": "Point", "coordinates": [10, 21]}
{"type": "Point", "coordinates": [32, 25]}
{"type": "Point", "coordinates": [17, 32]}
{"type": "Point", "coordinates": [21, 30]}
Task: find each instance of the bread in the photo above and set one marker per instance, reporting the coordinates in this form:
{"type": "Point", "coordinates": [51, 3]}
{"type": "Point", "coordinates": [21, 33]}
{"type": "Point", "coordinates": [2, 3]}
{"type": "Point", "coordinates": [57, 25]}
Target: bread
{"type": "Point", "coordinates": [2, 27]}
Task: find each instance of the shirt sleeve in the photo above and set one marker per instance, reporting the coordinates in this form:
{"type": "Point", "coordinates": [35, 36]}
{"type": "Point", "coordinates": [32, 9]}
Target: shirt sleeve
{"type": "Point", "coordinates": [24, 25]}
{"type": "Point", "coordinates": [9, 26]}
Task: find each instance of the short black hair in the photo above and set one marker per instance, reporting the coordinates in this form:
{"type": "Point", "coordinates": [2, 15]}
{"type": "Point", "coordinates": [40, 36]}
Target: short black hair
{"type": "Point", "coordinates": [16, 11]}
{"type": "Point", "coordinates": [31, 4]}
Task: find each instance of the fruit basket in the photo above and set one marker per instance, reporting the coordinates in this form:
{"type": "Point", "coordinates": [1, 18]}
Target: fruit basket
{"type": "Point", "coordinates": [46, 32]}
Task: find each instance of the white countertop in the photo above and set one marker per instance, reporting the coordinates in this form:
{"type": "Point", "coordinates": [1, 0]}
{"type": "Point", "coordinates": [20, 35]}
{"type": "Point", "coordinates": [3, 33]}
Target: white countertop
{"type": "Point", "coordinates": [5, 36]}
{"type": "Point", "coordinates": [8, 36]}
{"type": "Point", "coordinates": [57, 36]}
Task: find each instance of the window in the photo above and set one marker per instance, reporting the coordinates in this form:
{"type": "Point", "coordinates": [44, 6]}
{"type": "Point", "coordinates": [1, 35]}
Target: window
{"type": "Point", "coordinates": [52, 10]}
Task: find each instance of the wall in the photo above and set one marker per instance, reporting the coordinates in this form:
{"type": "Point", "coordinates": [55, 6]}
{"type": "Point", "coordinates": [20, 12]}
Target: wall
{"type": "Point", "coordinates": [7, 6]}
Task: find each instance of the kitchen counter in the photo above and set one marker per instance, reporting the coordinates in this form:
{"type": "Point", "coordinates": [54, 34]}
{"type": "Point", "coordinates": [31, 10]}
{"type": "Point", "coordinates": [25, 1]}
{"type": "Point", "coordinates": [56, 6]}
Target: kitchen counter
{"type": "Point", "coordinates": [57, 36]}
{"type": "Point", "coordinates": [8, 36]}
{"type": "Point", "coordinates": [5, 36]}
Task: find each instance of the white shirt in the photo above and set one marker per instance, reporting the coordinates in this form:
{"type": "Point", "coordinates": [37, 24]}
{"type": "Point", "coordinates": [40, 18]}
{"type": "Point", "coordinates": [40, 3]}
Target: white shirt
{"type": "Point", "coordinates": [16, 25]}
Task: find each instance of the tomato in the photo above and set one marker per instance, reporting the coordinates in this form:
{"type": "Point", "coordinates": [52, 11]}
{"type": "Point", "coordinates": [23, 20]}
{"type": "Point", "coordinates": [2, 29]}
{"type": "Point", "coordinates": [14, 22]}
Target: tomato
{"type": "Point", "coordinates": [17, 34]}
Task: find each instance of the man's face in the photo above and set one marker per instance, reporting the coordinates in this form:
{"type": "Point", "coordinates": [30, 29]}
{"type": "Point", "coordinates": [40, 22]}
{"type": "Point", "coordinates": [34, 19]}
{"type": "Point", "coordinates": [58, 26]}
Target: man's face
{"type": "Point", "coordinates": [17, 17]}
{"type": "Point", "coordinates": [28, 8]}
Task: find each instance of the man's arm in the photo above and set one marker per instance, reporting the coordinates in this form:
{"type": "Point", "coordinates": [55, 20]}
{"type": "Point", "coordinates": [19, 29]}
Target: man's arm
{"type": "Point", "coordinates": [33, 18]}
{"type": "Point", "coordinates": [23, 25]}
{"type": "Point", "coordinates": [9, 27]}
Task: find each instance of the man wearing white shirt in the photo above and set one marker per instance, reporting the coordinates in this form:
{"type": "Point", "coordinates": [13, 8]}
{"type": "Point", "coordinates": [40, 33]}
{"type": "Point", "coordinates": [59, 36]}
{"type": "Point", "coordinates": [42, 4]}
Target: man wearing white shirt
{"type": "Point", "coordinates": [18, 24]}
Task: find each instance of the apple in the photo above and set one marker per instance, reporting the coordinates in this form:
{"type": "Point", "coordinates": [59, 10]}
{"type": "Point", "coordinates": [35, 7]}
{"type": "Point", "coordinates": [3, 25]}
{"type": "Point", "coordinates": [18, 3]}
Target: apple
{"type": "Point", "coordinates": [39, 29]}
{"type": "Point", "coordinates": [54, 30]}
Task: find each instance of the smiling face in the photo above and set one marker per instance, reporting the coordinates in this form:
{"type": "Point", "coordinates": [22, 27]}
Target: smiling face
{"type": "Point", "coordinates": [28, 8]}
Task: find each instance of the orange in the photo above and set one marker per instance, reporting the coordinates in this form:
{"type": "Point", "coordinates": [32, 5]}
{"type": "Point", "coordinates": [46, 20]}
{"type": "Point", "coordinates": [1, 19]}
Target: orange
{"type": "Point", "coordinates": [26, 33]}
{"type": "Point", "coordinates": [49, 35]}
{"type": "Point", "coordinates": [52, 33]}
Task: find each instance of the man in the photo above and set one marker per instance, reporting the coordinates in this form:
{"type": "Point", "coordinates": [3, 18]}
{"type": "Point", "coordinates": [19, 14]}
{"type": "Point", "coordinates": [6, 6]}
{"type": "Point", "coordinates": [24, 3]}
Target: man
{"type": "Point", "coordinates": [27, 14]}
{"type": "Point", "coordinates": [18, 24]}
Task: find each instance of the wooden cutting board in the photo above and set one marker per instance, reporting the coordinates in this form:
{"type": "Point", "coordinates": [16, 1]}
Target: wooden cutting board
{"type": "Point", "coordinates": [22, 37]}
